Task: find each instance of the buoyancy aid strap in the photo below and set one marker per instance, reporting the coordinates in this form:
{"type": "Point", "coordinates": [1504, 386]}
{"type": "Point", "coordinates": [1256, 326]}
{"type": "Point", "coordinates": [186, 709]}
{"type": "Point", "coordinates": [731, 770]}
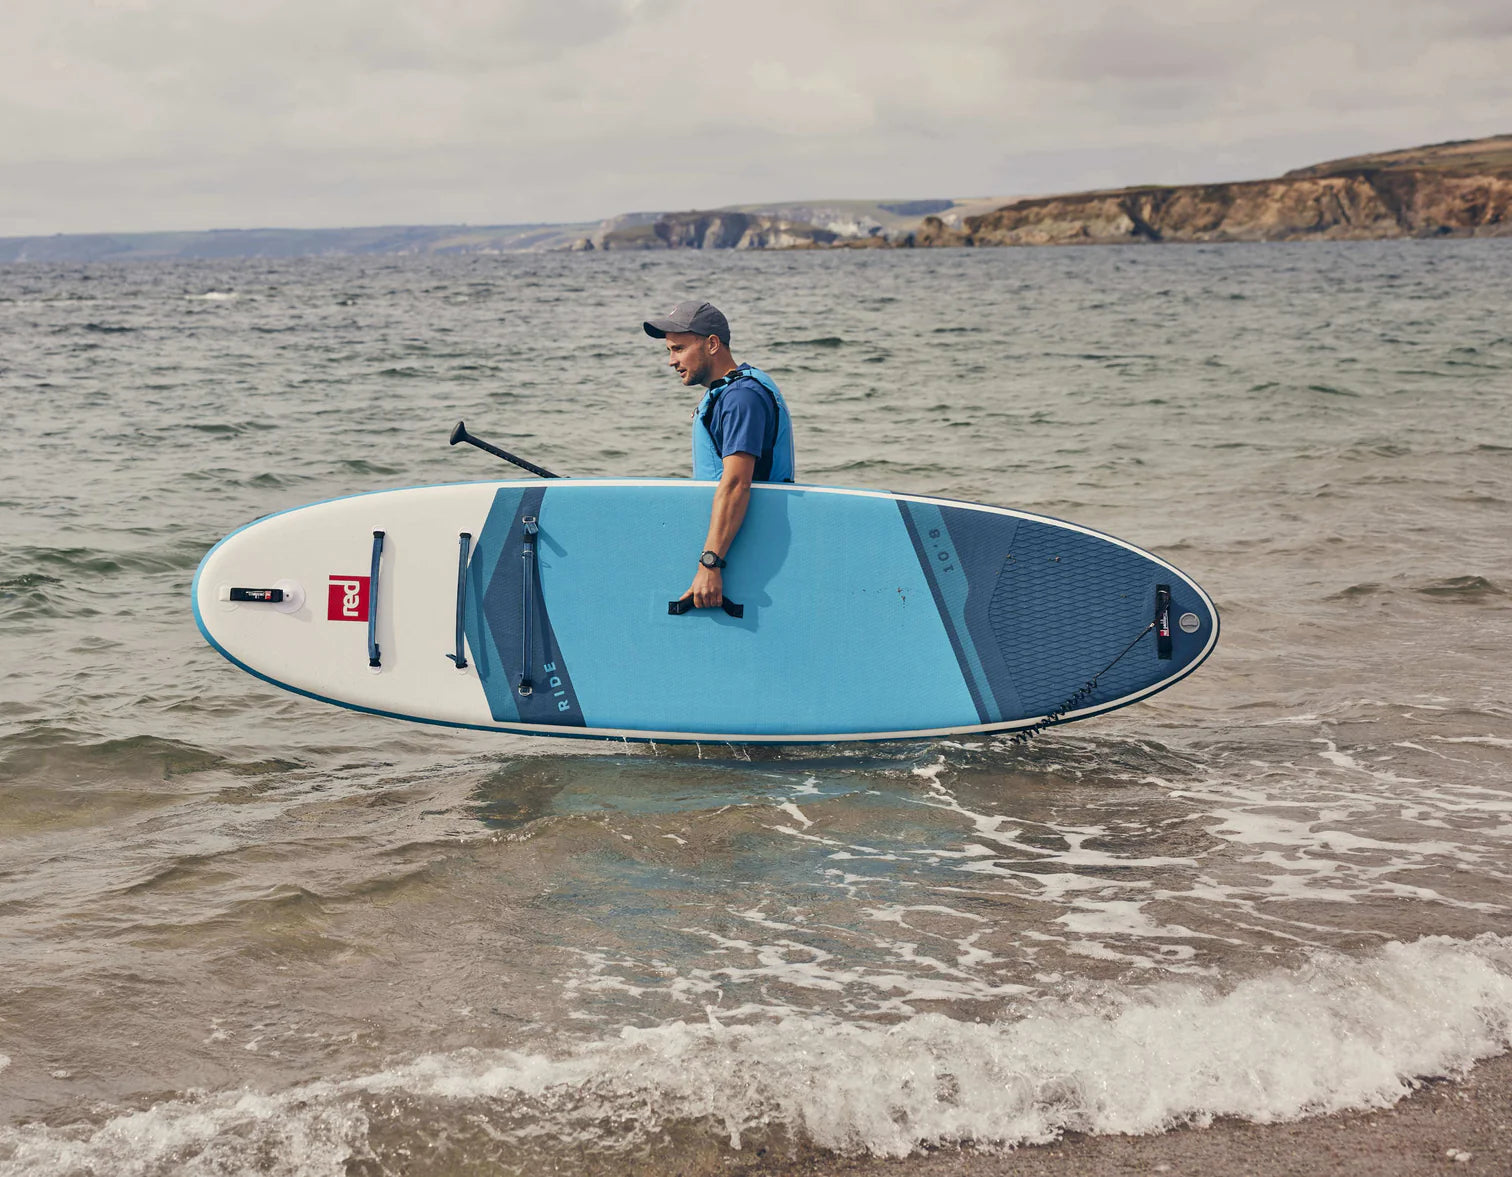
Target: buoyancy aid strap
{"type": "Point", "coordinates": [776, 463]}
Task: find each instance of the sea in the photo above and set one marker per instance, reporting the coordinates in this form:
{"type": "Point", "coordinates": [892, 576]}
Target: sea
{"type": "Point", "coordinates": [245, 932]}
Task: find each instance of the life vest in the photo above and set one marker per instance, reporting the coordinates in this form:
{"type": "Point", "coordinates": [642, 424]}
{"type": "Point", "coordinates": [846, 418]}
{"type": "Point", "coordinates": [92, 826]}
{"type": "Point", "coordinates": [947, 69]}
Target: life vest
{"type": "Point", "coordinates": [708, 463]}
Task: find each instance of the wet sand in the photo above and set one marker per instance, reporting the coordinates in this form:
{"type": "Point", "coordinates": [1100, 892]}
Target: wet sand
{"type": "Point", "coordinates": [1444, 1127]}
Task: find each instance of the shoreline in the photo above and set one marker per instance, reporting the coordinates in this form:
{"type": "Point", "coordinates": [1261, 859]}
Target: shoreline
{"type": "Point", "coordinates": [1433, 1129]}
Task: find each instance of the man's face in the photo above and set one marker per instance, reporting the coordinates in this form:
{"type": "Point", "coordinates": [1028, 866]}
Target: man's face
{"type": "Point", "coordinates": [690, 356]}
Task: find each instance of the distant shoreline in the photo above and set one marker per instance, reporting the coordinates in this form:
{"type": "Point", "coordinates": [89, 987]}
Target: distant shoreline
{"type": "Point", "coordinates": [1457, 189]}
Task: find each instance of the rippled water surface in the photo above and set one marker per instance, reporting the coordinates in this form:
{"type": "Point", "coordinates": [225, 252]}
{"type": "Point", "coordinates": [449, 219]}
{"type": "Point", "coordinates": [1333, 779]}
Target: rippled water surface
{"type": "Point", "coordinates": [241, 931]}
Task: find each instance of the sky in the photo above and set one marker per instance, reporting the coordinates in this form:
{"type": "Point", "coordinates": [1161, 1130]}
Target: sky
{"type": "Point", "coordinates": [136, 115]}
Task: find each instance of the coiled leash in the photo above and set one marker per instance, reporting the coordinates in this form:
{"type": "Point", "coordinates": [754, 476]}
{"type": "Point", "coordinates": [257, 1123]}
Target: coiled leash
{"type": "Point", "coordinates": [1161, 622]}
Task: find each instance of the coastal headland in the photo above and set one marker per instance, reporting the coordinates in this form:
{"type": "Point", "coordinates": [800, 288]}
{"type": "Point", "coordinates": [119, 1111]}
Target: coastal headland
{"type": "Point", "coordinates": [1461, 189]}
{"type": "Point", "coordinates": [1447, 190]}
{"type": "Point", "coordinates": [1456, 189]}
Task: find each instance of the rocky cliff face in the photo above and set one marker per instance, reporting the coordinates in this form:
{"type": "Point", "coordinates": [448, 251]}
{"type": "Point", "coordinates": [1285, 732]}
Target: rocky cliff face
{"type": "Point", "coordinates": [1449, 189]}
{"type": "Point", "coordinates": [718, 229]}
{"type": "Point", "coordinates": [1459, 189]}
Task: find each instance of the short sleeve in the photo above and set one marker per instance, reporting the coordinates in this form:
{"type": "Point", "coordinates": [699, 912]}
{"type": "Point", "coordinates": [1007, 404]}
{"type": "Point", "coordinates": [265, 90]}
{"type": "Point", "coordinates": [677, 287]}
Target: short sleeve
{"type": "Point", "coordinates": [745, 419]}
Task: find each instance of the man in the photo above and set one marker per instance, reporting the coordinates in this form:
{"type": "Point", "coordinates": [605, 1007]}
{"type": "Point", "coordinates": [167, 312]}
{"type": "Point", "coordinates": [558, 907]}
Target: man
{"type": "Point", "coordinates": [741, 430]}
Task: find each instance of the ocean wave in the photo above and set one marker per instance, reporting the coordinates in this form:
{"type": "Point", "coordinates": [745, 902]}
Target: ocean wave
{"type": "Point", "coordinates": [363, 466]}
{"type": "Point", "coordinates": [1355, 592]}
{"type": "Point", "coordinates": [73, 569]}
{"type": "Point", "coordinates": [32, 594]}
{"type": "Point", "coordinates": [222, 427]}
{"type": "Point", "coordinates": [70, 754]}
{"type": "Point", "coordinates": [1335, 1033]}
{"type": "Point", "coordinates": [1465, 589]}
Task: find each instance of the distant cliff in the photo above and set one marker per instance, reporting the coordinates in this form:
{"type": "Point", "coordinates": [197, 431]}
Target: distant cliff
{"type": "Point", "coordinates": [1459, 189]}
{"type": "Point", "coordinates": [1449, 189]}
{"type": "Point", "coordinates": [769, 226]}
{"type": "Point", "coordinates": [715, 229]}
{"type": "Point", "coordinates": [836, 224]}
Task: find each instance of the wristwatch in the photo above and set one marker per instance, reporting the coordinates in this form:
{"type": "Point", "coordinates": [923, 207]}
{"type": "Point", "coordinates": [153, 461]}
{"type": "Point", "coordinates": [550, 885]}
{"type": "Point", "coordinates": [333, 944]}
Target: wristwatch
{"type": "Point", "coordinates": [710, 560]}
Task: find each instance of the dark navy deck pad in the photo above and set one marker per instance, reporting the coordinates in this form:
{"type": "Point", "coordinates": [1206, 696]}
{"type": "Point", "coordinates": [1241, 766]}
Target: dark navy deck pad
{"type": "Point", "coordinates": [495, 620]}
{"type": "Point", "coordinates": [1062, 606]}
{"type": "Point", "coordinates": [1034, 610]}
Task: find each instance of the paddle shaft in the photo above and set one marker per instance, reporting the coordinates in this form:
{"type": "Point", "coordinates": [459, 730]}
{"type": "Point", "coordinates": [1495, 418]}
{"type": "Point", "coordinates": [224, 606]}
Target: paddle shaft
{"type": "Point", "coordinates": [460, 434]}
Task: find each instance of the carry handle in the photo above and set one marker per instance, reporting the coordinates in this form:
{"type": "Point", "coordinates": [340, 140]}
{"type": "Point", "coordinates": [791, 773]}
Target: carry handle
{"type": "Point", "coordinates": [528, 531]}
{"type": "Point", "coordinates": [464, 544]}
{"type": "Point", "coordinates": [375, 657]}
{"type": "Point", "coordinates": [685, 605]}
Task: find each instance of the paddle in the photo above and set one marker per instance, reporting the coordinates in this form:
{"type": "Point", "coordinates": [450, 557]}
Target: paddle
{"type": "Point", "coordinates": [460, 434]}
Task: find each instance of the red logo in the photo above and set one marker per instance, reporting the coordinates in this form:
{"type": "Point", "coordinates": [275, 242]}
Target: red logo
{"type": "Point", "coordinates": [347, 598]}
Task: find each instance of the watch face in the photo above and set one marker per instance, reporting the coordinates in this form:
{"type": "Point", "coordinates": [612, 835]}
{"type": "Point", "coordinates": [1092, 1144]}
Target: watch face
{"type": "Point", "coordinates": [709, 560]}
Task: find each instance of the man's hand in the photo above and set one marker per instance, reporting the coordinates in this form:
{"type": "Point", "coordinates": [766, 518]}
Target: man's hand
{"type": "Point", "coordinates": [707, 588]}
{"type": "Point", "coordinates": [725, 517]}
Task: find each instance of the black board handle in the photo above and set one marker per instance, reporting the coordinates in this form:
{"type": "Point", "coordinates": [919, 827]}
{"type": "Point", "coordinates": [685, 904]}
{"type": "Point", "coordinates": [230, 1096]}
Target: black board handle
{"type": "Point", "coordinates": [685, 605]}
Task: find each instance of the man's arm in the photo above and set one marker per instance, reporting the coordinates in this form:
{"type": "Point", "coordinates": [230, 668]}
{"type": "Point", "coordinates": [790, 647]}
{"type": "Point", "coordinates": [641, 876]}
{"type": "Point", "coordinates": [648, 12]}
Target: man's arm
{"type": "Point", "coordinates": [731, 498]}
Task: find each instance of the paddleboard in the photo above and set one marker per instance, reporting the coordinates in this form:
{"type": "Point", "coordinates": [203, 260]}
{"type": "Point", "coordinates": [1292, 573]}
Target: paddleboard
{"type": "Point", "coordinates": [549, 608]}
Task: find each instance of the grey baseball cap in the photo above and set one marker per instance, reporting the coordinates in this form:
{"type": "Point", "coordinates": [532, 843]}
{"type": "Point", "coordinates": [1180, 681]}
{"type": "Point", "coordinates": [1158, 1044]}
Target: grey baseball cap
{"type": "Point", "coordinates": [694, 318]}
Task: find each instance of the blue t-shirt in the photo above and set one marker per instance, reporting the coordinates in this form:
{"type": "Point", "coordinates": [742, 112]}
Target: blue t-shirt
{"type": "Point", "coordinates": [743, 420]}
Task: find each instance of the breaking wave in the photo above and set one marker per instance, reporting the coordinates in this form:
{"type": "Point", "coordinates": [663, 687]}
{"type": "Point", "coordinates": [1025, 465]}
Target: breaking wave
{"type": "Point", "coordinates": [1336, 1033]}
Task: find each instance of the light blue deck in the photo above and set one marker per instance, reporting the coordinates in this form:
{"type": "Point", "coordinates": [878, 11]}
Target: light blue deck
{"type": "Point", "coordinates": [840, 632]}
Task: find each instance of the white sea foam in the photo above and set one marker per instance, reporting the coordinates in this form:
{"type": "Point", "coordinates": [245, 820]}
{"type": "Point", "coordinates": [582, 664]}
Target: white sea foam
{"type": "Point", "coordinates": [1485, 741]}
{"type": "Point", "coordinates": [1339, 1032]}
{"type": "Point", "coordinates": [310, 1130]}
{"type": "Point", "coordinates": [1234, 860]}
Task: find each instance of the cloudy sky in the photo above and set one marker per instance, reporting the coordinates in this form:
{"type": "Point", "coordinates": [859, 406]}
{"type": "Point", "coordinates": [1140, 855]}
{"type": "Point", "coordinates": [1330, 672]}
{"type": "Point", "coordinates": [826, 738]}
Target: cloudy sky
{"type": "Point", "coordinates": [191, 114]}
